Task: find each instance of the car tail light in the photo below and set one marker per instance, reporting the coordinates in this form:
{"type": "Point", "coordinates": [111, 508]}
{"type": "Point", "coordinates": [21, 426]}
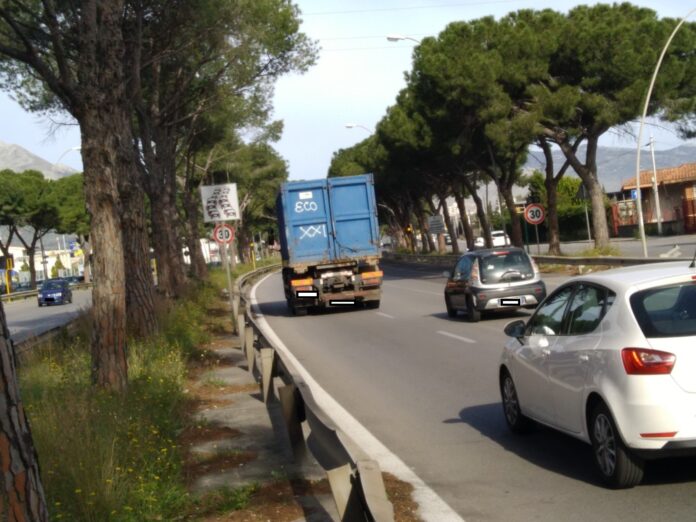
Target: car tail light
{"type": "Point", "coordinates": [475, 273]}
{"type": "Point", "coordinates": [642, 361]}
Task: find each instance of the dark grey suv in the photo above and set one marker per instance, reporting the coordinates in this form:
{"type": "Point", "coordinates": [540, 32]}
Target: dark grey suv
{"type": "Point", "coordinates": [503, 278]}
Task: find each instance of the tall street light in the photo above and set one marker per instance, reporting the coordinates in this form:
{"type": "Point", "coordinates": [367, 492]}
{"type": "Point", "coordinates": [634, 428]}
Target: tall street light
{"type": "Point", "coordinates": [639, 205]}
{"type": "Point", "coordinates": [399, 37]}
{"type": "Point", "coordinates": [353, 125]}
{"type": "Point", "coordinates": [65, 152]}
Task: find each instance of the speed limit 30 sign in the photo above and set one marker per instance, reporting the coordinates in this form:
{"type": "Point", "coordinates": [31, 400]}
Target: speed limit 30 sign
{"type": "Point", "coordinates": [223, 233]}
{"type": "Point", "coordinates": [534, 214]}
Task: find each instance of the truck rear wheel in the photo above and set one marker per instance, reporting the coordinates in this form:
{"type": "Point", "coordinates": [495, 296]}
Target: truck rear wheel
{"type": "Point", "coordinates": [298, 310]}
{"type": "Point", "coordinates": [372, 305]}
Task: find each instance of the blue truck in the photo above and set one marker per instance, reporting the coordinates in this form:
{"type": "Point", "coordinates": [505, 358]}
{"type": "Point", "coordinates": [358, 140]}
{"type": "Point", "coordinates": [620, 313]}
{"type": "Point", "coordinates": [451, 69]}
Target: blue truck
{"type": "Point", "coordinates": [329, 243]}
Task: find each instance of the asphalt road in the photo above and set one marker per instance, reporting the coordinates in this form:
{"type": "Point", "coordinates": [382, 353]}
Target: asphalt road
{"type": "Point", "coordinates": [426, 387]}
{"type": "Point", "coordinates": [25, 319]}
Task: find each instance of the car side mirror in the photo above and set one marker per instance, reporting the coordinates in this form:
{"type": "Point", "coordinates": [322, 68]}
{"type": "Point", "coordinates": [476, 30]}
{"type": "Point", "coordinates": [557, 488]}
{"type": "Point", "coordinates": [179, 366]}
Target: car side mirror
{"type": "Point", "coordinates": [515, 329]}
{"type": "Point", "coordinates": [446, 274]}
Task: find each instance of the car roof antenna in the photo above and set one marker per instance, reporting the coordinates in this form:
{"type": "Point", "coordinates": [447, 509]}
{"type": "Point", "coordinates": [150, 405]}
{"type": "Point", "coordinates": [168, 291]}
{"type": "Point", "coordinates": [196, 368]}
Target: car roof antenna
{"type": "Point", "coordinates": [693, 261]}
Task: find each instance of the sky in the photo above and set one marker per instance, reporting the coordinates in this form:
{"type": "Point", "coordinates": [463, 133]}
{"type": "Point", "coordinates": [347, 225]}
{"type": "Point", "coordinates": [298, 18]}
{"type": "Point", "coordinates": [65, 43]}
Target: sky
{"type": "Point", "coordinates": [357, 76]}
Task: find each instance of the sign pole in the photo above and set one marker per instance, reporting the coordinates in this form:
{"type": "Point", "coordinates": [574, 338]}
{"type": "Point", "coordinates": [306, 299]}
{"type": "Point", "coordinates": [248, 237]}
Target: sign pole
{"type": "Point", "coordinates": [526, 235]}
{"type": "Point", "coordinates": [222, 248]}
{"type": "Point", "coordinates": [536, 230]}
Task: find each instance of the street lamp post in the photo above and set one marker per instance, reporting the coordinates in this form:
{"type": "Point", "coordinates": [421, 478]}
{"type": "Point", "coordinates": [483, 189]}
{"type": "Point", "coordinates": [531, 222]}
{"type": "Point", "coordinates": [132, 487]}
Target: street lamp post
{"type": "Point", "coordinates": [398, 38]}
{"type": "Point", "coordinates": [354, 125]}
{"type": "Point", "coordinates": [639, 205]}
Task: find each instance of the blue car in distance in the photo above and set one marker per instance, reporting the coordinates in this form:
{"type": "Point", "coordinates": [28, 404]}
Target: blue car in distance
{"type": "Point", "coordinates": [54, 291]}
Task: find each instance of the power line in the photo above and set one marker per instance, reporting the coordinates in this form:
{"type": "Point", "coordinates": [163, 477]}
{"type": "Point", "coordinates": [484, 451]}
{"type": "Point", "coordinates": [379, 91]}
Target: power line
{"type": "Point", "coordinates": [410, 8]}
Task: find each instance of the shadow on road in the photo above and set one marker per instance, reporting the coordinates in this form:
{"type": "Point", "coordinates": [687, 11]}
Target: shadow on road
{"type": "Point", "coordinates": [280, 309]}
{"type": "Point", "coordinates": [562, 454]}
{"type": "Point", "coordinates": [509, 315]}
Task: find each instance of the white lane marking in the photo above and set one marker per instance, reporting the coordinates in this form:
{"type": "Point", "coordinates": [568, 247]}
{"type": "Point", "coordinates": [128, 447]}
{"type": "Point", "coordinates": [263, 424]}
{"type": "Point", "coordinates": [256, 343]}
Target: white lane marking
{"type": "Point", "coordinates": [385, 315]}
{"type": "Point", "coordinates": [458, 337]}
{"type": "Point", "coordinates": [430, 504]}
{"type": "Point", "coordinates": [414, 289]}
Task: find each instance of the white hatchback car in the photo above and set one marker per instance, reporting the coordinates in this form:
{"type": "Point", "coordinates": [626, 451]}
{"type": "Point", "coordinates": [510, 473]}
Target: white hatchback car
{"type": "Point", "coordinates": [610, 358]}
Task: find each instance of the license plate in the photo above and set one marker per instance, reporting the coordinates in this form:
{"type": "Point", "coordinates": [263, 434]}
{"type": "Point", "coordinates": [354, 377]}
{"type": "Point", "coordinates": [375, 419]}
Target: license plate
{"type": "Point", "coordinates": [511, 301]}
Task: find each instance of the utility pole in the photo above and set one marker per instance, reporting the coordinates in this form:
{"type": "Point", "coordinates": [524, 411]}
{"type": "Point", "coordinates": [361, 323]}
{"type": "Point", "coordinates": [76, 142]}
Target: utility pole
{"type": "Point", "coordinates": [654, 187]}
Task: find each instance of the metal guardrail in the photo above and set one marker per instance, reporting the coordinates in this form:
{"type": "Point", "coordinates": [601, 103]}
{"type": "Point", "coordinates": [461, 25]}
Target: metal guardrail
{"type": "Point", "coordinates": [355, 479]}
{"type": "Point", "coordinates": [32, 293]}
{"type": "Point", "coordinates": [449, 260]}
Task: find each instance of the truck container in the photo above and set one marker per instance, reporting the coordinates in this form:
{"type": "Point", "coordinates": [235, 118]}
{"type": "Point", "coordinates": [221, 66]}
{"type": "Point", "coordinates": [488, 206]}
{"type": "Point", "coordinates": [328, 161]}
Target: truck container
{"type": "Point", "coordinates": [329, 243]}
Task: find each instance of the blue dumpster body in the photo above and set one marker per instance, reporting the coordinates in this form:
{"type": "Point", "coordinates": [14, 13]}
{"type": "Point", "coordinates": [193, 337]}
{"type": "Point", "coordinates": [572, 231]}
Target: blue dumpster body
{"type": "Point", "coordinates": [329, 233]}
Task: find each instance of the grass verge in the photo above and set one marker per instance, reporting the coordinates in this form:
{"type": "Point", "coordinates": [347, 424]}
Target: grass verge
{"type": "Point", "coordinates": [117, 457]}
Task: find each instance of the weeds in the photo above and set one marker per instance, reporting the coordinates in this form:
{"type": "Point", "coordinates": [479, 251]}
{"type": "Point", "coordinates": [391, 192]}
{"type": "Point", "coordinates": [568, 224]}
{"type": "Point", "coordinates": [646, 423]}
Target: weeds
{"type": "Point", "coordinates": [115, 457]}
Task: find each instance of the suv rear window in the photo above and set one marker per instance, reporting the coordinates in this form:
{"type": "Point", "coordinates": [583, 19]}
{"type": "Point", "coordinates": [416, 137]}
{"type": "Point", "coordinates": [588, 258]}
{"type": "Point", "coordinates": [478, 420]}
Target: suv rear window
{"type": "Point", "coordinates": [666, 311]}
{"type": "Point", "coordinates": [505, 267]}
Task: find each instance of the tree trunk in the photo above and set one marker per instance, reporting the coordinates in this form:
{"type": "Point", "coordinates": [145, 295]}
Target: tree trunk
{"type": "Point", "coordinates": [425, 233]}
{"type": "Point", "coordinates": [509, 199]}
{"type": "Point", "coordinates": [161, 186]}
{"type": "Point", "coordinates": [552, 216]}
{"type": "Point", "coordinates": [140, 303]}
{"type": "Point", "coordinates": [86, 248]}
{"type": "Point", "coordinates": [101, 150]}
{"type": "Point", "coordinates": [480, 211]}
{"type": "Point", "coordinates": [31, 252]}
{"type": "Point", "coordinates": [22, 496]}
{"type": "Point", "coordinates": [198, 266]}
{"type": "Point", "coordinates": [588, 175]}
{"type": "Point", "coordinates": [448, 223]}
{"type": "Point", "coordinates": [468, 231]}
{"type": "Point", "coordinates": [421, 216]}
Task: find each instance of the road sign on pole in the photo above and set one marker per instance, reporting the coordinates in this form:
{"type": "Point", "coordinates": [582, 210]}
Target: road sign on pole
{"type": "Point", "coordinates": [534, 214]}
{"type": "Point", "coordinates": [223, 233]}
{"type": "Point", "coordinates": [220, 202]}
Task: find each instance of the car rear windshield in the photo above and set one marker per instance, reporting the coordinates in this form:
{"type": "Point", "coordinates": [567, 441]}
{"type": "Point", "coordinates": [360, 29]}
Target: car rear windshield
{"type": "Point", "coordinates": [666, 311]}
{"type": "Point", "coordinates": [52, 285]}
{"type": "Point", "coordinates": [505, 267]}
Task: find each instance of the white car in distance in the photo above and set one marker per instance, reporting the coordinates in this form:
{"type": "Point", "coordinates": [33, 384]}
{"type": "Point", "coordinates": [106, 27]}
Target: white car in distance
{"type": "Point", "coordinates": [499, 238]}
{"type": "Point", "coordinates": [610, 358]}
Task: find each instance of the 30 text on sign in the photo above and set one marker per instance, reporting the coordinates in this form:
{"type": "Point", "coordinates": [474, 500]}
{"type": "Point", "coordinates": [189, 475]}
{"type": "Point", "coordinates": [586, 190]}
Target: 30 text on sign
{"type": "Point", "coordinates": [534, 214]}
{"type": "Point", "coordinates": [223, 233]}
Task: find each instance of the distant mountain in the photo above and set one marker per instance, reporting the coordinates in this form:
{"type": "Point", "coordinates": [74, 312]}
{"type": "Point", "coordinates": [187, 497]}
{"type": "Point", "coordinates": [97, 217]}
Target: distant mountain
{"type": "Point", "coordinates": [19, 159]}
{"type": "Point", "coordinates": [616, 165]}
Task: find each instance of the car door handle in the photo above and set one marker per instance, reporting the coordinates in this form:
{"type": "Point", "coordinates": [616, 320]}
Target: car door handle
{"type": "Point", "coordinates": [584, 357]}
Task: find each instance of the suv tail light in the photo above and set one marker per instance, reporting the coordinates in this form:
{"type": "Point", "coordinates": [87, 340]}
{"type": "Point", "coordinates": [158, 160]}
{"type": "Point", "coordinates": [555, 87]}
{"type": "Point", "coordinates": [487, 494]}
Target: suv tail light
{"type": "Point", "coordinates": [643, 361]}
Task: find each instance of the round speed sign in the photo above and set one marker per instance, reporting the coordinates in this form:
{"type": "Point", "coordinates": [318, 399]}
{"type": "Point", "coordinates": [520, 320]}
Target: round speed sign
{"type": "Point", "coordinates": [534, 214]}
{"type": "Point", "coordinates": [223, 233]}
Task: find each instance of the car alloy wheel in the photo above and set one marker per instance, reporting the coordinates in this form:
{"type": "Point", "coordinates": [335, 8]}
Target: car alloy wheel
{"type": "Point", "coordinates": [605, 449]}
{"type": "Point", "coordinates": [619, 467]}
{"type": "Point", "coordinates": [516, 421]}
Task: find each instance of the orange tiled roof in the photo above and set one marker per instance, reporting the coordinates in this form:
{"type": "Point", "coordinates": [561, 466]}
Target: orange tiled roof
{"type": "Point", "coordinates": [680, 174]}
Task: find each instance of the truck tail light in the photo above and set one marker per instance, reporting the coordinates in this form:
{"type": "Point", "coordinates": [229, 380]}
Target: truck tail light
{"type": "Point", "coordinates": [301, 282]}
{"type": "Point", "coordinates": [372, 275]}
{"type": "Point", "coordinates": [643, 361]}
